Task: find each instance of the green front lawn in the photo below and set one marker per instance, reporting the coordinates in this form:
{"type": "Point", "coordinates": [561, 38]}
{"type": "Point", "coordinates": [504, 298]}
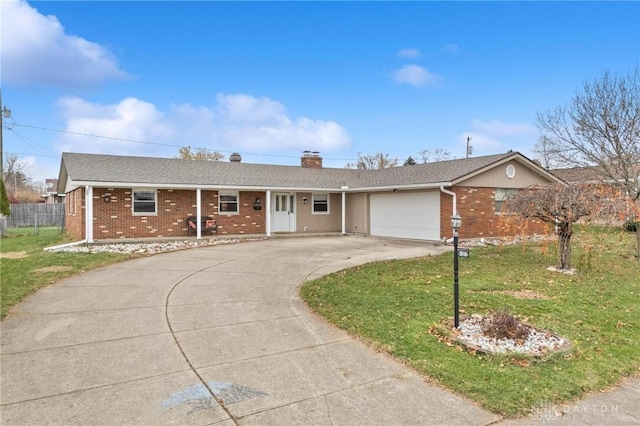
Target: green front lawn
{"type": "Point", "coordinates": [25, 267]}
{"type": "Point", "coordinates": [402, 307]}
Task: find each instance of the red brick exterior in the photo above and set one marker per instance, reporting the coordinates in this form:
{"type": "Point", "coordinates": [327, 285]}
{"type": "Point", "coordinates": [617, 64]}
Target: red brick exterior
{"type": "Point", "coordinates": [74, 213]}
{"type": "Point", "coordinates": [114, 218]}
{"type": "Point", "coordinates": [312, 161]}
{"type": "Point", "coordinates": [477, 208]}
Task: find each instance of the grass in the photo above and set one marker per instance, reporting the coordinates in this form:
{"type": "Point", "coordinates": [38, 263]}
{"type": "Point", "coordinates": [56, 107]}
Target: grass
{"type": "Point", "coordinates": [22, 276]}
{"type": "Point", "coordinates": [404, 307]}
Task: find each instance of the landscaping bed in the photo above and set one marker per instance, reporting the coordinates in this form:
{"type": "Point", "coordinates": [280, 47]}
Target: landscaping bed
{"type": "Point", "coordinates": [405, 307]}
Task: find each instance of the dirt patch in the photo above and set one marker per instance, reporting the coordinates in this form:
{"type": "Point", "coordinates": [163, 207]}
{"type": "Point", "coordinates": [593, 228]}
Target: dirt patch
{"type": "Point", "coordinates": [13, 255]}
{"type": "Point", "coordinates": [519, 294]}
{"type": "Point", "coordinates": [52, 269]}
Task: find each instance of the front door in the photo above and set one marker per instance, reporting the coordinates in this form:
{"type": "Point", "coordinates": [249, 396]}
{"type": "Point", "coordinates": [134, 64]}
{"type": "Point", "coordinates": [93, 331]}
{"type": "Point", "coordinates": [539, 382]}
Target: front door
{"type": "Point", "coordinates": [284, 219]}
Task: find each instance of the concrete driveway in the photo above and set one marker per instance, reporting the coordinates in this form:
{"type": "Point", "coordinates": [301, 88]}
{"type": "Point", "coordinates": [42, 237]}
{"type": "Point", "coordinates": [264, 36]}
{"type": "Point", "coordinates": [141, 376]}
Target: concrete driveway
{"type": "Point", "coordinates": [214, 335]}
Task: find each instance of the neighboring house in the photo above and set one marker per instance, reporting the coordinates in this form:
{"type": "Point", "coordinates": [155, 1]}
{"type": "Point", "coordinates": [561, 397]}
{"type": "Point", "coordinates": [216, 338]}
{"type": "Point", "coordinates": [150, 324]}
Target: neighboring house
{"type": "Point", "coordinates": [594, 175]}
{"type": "Point", "coordinates": [51, 196]}
{"type": "Point", "coordinates": [133, 197]}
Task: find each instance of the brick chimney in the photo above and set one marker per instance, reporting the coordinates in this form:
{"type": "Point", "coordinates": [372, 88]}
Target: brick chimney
{"type": "Point", "coordinates": [311, 160]}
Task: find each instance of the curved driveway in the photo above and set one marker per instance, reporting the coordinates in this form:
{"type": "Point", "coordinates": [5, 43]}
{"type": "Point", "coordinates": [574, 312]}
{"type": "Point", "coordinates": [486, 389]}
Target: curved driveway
{"type": "Point", "coordinates": [214, 335]}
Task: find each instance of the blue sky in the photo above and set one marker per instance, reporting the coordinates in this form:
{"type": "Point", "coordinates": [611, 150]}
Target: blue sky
{"type": "Point", "coordinates": [272, 79]}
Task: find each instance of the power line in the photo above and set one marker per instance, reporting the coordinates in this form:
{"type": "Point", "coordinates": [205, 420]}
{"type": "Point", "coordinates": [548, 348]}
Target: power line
{"type": "Point", "coordinates": [162, 144]}
{"type": "Point", "coordinates": [32, 155]}
{"type": "Point", "coordinates": [31, 142]}
{"type": "Point", "coordinates": [96, 136]}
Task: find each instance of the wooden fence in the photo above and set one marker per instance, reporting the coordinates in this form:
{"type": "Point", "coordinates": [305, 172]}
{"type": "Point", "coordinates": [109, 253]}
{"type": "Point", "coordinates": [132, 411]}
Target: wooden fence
{"type": "Point", "coordinates": [36, 215]}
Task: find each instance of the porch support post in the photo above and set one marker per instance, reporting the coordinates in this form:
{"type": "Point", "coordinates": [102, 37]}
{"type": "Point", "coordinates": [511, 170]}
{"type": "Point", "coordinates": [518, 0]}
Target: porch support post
{"type": "Point", "coordinates": [88, 213]}
{"type": "Point", "coordinates": [267, 216]}
{"type": "Point", "coordinates": [344, 213]}
{"type": "Point", "coordinates": [198, 214]}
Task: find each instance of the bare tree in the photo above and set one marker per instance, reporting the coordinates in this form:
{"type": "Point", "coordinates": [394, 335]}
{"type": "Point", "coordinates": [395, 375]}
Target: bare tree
{"type": "Point", "coordinates": [563, 205]}
{"type": "Point", "coordinates": [374, 162]}
{"type": "Point", "coordinates": [544, 150]}
{"type": "Point", "coordinates": [600, 130]}
{"type": "Point", "coordinates": [185, 153]}
{"type": "Point", "coordinates": [16, 174]}
{"type": "Point", "coordinates": [18, 182]}
{"type": "Point", "coordinates": [433, 156]}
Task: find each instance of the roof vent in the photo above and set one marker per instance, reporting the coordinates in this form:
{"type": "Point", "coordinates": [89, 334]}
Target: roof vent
{"type": "Point", "coordinates": [235, 157]}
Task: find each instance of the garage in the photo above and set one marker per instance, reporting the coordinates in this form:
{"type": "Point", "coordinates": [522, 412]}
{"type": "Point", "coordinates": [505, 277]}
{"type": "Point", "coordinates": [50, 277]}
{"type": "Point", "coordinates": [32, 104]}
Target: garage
{"type": "Point", "coordinates": [414, 215]}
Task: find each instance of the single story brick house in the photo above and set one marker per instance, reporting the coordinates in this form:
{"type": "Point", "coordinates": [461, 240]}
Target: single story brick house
{"type": "Point", "coordinates": [109, 197]}
{"type": "Point", "coordinates": [628, 177]}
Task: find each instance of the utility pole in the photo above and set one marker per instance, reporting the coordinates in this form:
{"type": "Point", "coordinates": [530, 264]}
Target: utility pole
{"type": "Point", "coordinates": [4, 113]}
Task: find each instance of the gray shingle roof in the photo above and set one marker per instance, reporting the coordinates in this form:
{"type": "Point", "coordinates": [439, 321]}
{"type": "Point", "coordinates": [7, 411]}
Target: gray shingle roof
{"type": "Point", "coordinates": [165, 172]}
{"type": "Point", "coordinates": [442, 171]}
{"type": "Point", "coordinates": [589, 174]}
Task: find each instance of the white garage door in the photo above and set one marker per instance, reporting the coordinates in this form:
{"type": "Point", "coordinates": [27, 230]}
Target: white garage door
{"type": "Point", "coordinates": [414, 215]}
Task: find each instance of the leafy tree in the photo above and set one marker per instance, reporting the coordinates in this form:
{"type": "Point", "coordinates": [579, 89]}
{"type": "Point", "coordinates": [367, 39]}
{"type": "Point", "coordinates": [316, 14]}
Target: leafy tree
{"type": "Point", "coordinates": [434, 156]}
{"type": "Point", "coordinates": [600, 130]}
{"type": "Point", "coordinates": [563, 205]}
{"type": "Point", "coordinates": [374, 162]}
{"type": "Point", "coordinates": [5, 208]}
{"type": "Point", "coordinates": [409, 162]}
{"type": "Point", "coordinates": [185, 153]}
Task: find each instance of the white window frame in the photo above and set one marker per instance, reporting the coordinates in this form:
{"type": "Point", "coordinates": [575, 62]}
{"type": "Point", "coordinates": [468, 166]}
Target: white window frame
{"type": "Point", "coordinates": [315, 197]}
{"type": "Point", "coordinates": [72, 202]}
{"type": "Point", "coordinates": [235, 194]}
{"type": "Point", "coordinates": [155, 201]}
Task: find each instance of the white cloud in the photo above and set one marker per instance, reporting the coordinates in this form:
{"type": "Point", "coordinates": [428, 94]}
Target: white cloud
{"type": "Point", "coordinates": [236, 122]}
{"type": "Point", "coordinates": [130, 119]}
{"type": "Point", "coordinates": [500, 128]}
{"type": "Point", "coordinates": [414, 75]}
{"type": "Point", "coordinates": [482, 144]}
{"type": "Point", "coordinates": [242, 108]}
{"type": "Point", "coordinates": [410, 52]}
{"type": "Point", "coordinates": [36, 50]}
{"type": "Point", "coordinates": [492, 136]}
{"type": "Point", "coordinates": [246, 122]}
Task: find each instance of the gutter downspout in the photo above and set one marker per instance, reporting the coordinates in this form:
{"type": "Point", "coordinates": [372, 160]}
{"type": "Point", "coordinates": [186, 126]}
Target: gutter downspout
{"type": "Point", "coordinates": [198, 214]}
{"type": "Point", "coordinates": [88, 213]}
{"type": "Point", "coordinates": [344, 212]}
{"type": "Point", "coordinates": [268, 213]}
{"type": "Point", "coordinates": [62, 246]}
{"type": "Point", "coordinates": [453, 194]}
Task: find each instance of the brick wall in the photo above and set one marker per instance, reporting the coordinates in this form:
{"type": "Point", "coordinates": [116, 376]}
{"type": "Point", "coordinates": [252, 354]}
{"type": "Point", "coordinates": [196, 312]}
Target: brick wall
{"type": "Point", "coordinates": [74, 213]}
{"type": "Point", "coordinates": [476, 206]}
{"type": "Point", "coordinates": [249, 221]}
{"type": "Point", "coordinates": [312, 161]}
{"type": "Point", "coordinates": [113, 217]}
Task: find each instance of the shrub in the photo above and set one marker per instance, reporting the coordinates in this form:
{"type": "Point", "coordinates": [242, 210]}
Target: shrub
{"type": "Point", "coordinates": [631, 225]}
{"type": "Point", "coordinates": [503, 325]}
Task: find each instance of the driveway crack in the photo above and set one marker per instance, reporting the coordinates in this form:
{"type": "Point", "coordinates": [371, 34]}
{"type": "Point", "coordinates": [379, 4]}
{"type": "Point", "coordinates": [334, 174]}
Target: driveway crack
{"type": "Point", "coordinates": [214, 397]}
